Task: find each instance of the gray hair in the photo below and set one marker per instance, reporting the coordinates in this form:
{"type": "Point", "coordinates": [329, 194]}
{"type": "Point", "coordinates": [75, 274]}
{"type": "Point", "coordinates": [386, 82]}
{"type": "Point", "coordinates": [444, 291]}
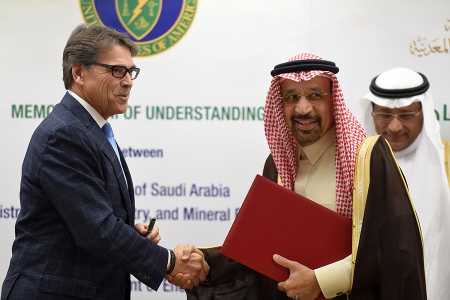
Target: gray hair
{"type": "Point", "coordinates": [86, 42]}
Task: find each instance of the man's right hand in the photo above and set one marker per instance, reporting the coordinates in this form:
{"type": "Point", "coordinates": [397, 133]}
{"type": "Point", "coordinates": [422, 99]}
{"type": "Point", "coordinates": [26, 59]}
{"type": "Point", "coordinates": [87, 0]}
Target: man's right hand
{"type": "Point", "coordinates": [190, 267]}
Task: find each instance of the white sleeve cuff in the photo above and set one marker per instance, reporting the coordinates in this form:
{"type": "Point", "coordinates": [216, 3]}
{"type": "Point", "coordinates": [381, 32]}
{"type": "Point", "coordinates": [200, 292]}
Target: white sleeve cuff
{"type": "Point", "coordinates": [334, 279]}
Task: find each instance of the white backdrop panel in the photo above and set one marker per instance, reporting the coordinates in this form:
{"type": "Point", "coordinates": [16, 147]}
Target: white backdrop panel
{"type": "Point", "coordinates": [223, 60]}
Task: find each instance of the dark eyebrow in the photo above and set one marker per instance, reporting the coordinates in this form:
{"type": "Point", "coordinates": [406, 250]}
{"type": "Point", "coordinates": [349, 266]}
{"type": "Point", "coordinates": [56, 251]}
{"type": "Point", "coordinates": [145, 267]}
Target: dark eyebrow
{"type": "Point", "coordinates": [384, 109]}
{"type": "Point", "coordinates": [316, 89]}
{"type": "Point", "coordinates": [133, 66]}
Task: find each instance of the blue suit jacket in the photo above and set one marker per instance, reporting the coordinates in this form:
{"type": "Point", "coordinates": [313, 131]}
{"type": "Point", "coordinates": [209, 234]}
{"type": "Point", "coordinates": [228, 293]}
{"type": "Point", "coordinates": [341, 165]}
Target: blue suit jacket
{"type": "Point", "coordinates": [75, 235]}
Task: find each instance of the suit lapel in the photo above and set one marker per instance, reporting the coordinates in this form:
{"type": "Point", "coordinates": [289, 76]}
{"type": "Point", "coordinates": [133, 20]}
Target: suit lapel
{"type": "Point", "coordinates": [112, 157]}
{"type": "Point", "coordinates": [97, 134]}
{"type": "Point", "coordinates": [130, 186]}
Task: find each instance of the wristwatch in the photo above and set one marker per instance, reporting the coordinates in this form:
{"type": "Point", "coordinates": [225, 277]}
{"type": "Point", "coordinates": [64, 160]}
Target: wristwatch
{"type": "Point", "coordinates": [171, 262]}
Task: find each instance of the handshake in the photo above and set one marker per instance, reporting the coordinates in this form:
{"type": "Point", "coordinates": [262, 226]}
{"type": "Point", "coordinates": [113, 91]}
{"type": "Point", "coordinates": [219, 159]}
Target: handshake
{"type": "Point", "coordinates": [190, 266]}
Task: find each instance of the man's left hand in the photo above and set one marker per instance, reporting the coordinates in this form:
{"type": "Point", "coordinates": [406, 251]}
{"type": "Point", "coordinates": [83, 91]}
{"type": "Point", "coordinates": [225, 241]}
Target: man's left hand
{"type": "Point", "coordinates": [302, 280]}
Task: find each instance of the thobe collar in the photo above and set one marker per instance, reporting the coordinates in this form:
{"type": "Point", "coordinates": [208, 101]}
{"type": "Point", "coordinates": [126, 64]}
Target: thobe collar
{"type": "Point", "coordinates": [314, 152]}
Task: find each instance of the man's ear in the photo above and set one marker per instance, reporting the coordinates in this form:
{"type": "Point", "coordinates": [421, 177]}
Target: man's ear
{"type": "Point", "coordinates": [78, 74]}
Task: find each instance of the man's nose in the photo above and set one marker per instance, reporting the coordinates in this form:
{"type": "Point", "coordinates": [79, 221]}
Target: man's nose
{"type": "Point", "coordinates": [303, 106]}
{"type": "Point", "coordinates": [126, 80]}
{"type": "Point", "coordinates": [395, 125]}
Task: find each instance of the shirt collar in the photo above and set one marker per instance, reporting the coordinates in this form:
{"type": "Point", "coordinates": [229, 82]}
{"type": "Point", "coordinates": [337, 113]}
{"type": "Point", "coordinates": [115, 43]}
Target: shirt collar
{"type": "Point", "coordinates": [314, 151]}
{"type": "Point", "coordinates": [94, 114]}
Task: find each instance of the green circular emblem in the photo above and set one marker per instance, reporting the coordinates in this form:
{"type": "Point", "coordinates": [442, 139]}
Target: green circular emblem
{"type": "Point", "coordinates": [155, 25]}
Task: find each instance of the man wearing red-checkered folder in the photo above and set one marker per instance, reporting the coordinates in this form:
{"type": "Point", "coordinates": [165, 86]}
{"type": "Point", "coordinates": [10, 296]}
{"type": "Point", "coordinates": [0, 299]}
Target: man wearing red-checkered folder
{"type": "Point", "coordinates": [320, 151]}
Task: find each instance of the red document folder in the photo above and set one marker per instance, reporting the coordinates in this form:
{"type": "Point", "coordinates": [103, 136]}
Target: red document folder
{"type": "Point", "coordinates": [273, 219]}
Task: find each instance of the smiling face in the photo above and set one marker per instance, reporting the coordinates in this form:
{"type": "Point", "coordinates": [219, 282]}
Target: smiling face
{"type": "Point", "coordinates": [307, 108]}
{"type": "Point", "coordinates": [400, 126]}
{"type": "Point", "coordinates": [96, 84]}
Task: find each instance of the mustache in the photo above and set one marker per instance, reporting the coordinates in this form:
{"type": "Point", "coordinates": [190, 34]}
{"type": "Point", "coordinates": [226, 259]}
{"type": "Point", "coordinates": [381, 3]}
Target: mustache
{"type": "Point", "coordinates": [307, 117]}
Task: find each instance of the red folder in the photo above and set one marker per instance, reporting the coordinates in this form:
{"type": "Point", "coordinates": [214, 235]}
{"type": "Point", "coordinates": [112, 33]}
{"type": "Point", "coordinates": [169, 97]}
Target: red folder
{"type": "Point", "coordinates": [273, 219]}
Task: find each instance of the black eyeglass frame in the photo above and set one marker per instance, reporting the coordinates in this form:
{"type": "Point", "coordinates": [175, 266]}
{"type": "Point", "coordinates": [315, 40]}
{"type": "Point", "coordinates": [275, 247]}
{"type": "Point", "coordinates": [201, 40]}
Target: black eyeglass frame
{"type": "Point", "coordinates": [120, 67]}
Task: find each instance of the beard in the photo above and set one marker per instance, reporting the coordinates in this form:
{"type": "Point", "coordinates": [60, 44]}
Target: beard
{"type": "Point", "coordinates": [307, 129]}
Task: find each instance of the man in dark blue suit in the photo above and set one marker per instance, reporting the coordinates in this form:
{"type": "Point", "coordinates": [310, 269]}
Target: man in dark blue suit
{"type": "Point", "coordinates": [75, 234]}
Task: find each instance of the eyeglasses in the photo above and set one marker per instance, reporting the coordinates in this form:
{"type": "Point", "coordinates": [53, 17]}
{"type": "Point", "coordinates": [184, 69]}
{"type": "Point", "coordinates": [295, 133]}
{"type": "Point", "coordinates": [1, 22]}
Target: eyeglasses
{"type": "Point", "coordinates": [312, 96]}
{"type": "Point", "coordinates": [119, 71]}
{"type": "Point", "coordinates": [387, 117]}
